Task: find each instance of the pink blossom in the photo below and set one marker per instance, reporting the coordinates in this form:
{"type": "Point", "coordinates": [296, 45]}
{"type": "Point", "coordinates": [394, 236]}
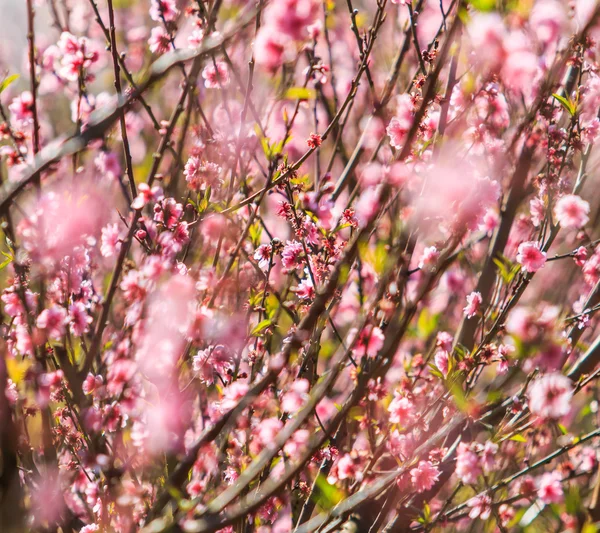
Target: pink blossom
{"type": "Point", "coordinates": [400, 125]}
{"type": "Point", "coordinates": [216, 75]}
{"type": "Point", "coordinates": [200, 173]}
{"type": "Point", "coordinates": [571, 211]}
{"type": "Point", "coordinates": [550, 488]}
{"type": "Point", "coordinates": [272, 49]}
{"type": "Point", "coordinates": [481, 507]}
{"type": "Point", "coordinates": [291, 256]}
{"type": "Point", "coordinates": [473, 304]}
{"type": "Point", "coordinates": [530, 257]}
{"type": "Point", "coordinates": [21, 108]}
{"type": "Point", "coordinates": [92, 383]}
{"type": "Point", "coordinates": [305, 289]}
{"type": "Point", "coordinates": [441, 361]}
{"type": "Point", "coordinates": [367, 206]}
{"type": "Point", "coordinates": [429, 257]}
{"type": "Point", "coordinates": [263, 255]}
{"type": "Point", "coordinates": [163, 10]}
{"type": "Point", "coordinates": [402, 410]}
{"type": "Point", "coordinates": [487, 33]}
{"type": "Point", "coordinates": [347, 468]}
{"type": "Point", "coordinates": [53, 320]}
{"type": "Point", "coordinates": [293, 400]}
{"type": "Point", "coordinates": [424, 476]}
{"type": "Point", "coordinates": [159, 41]}
{"type": "Point", "coordinates": [468, 468]}
{"type": "Point", "coordinates": [550, 396]}
{"type": "Point", "coordinates": [79, 319]}
{"type": "Point", "coordinates": [369, 342]}
{"type": "Point", "coordinates": [110, 240]}
{"type": "Point", "coordinates": [548, 18]}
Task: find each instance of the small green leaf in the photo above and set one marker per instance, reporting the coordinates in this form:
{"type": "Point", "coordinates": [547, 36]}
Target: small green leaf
{"type": "Point", "coordinates": [300, 93]}
{"type": "Point", "coordinates": [518, 438]}
{"type": "Point", "coordinates": [570, 106]}
{"type": "Point", "coordinates": [260, 328]}
{"type": "Point", "coordinates": [7, 81]}
{"type": "Point", "coordinates": [483, 5]}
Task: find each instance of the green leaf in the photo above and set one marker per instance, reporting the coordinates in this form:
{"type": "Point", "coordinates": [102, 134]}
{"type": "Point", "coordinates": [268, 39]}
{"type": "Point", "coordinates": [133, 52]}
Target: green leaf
{"type": "Point", "coordinates": [518, 438]}
{"type": "Point", "coordinates": [7, 81]}
{"type": "Point", "coordinates": [254, 233]}
{"type": "Point", "coordinates": [484, 5]}
{"type": "Point", "coordinates": [329, 495]}
{"type": "Point", "coordinates": [569, 105]}
{"type": "Point", "coordinates": [459, 397]}
{"type": "Point", "coordinates": [300, 93]}
{"type": "Point", "coordinates": [260, 328]}
{"type": "Point", "coordinates": [427, 323]}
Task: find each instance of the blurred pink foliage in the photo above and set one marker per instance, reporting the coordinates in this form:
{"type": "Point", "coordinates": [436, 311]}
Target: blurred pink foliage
{"type": "Point", "coordinates": [300, 265]}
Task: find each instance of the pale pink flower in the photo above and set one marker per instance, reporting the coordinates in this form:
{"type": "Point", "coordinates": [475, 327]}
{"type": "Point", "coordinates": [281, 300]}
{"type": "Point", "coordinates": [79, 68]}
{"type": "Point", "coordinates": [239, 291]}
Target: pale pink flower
{"type": "Point", "coordinates": [473, 304]}
{"type": "Point", "coordinates": [489, 456]}
{"type": "Point", "coordinates": [367, 206]}
{"type": "Point", "coordinates": [369, 342]}
{"type": "Point", "coordinates": [265, 433]}
{"type": "Point", "coordinates": [145, 195]}
{"type": "Point", "coordinates": [571, 211]}
{"type": "Point", "coordinates": [468, 468]}
{"type": "Point", "coordinates": [233, 394]}
{"type": "Point", "coordinates": [196, 37]}
{"type": "Point", "coordinates": [79, 319]}
{"type": "Point", "coordinates": [291, 256]}
{"type": "Point", "coordinates": [487, 32]}
{"type": "Point", "coordinates": [305, 289]}
{"type": "Point", "coordinates": [272, 49]}
{"type": "Point", "coordinates": [21, 108]}
{"type": "Point", "coordinates": [108, 164]}
{"type": "Point", "coordinates": [292, 18]}
{"type": "Point", "coordinates": [293, 400]}
{"type": "Point", "coordinates": [400, 125]}
{"type": "Point", "coordinates": [530, 257]}
{"type": "Point", "coordinates": [200, 173]}
{"type": "Point", "coordinates": [159, 41]}
{"type": "Point", "coordinates": [591, 131]}
{"type": "Point", "coordinates": [429, 257]}
{"type": "Point", "coordinates": [424, 476]}
{"type": "Point", "coordinates": [402, 410]}
{"type": "Point", "coordinates": [163, 9]}
{"type": "Point", "coordinates": [550, 488]}
{"type": "Point", "coordinates": [92, 383]}
{"type": "Point", "coordinates": [590, 99]}
{"type": "Point", "coordinates": [53, 320]}
{"type": "Point", "coordinates": [441, 361]}
{"type": "Point", "coordinates": [550, 396]}
{"type": "Point", "coordinates": [216, 75]}
{"type": "Point", "coordinates": [481, 507]}
{"type": "Point", "coordinates": [521, 64]}
{"type": "Point", "coordinates": [347, 468]}
{"type": "Point", "coordinates": [548, 18]}
{"type": "Point", "coordinates": [537, 210]}
{"type": "Point", "coordinates": [297, 444]}
{"type": "Point", "coordinates": [263, 255]}
{"type": "Point", "coordinates": [110, 242]}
